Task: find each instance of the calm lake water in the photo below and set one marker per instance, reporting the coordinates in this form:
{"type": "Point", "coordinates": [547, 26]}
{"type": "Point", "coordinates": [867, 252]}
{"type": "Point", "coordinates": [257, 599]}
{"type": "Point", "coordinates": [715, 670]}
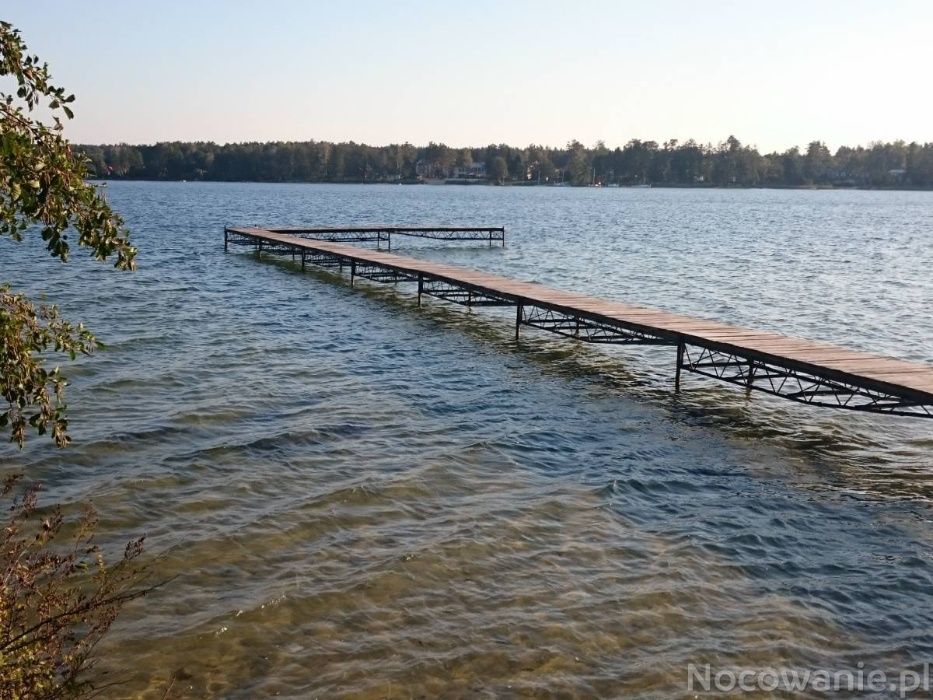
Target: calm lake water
{"type": "Point", "coordinates": [360, 498]}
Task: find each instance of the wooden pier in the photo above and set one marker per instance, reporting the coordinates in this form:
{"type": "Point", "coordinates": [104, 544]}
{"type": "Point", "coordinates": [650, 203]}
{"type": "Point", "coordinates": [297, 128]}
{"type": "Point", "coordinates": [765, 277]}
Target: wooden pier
{"type": "Point", "coordinates": [800, 370]}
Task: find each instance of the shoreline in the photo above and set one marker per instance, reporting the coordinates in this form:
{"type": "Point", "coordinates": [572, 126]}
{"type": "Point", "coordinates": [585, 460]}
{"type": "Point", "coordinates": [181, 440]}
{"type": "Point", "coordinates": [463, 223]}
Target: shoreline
{"type": "Point", "coordinates": [668, 186]}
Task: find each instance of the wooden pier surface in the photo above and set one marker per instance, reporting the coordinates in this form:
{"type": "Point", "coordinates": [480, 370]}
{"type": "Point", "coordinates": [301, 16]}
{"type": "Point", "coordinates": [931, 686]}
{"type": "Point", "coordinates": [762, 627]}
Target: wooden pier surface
{"type": "Point", "coordinates": [820, 373]}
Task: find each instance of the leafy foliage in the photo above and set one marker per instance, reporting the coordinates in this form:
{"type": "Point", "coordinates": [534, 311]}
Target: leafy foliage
{"type": "Point", "coordinates": [34, 394]}
{"type": "Point", "coordinates": [42, 185]}
{"type": "Point", "coordinates": [55, 602]}
{"type": "Point", "coordinates": [42, 181]}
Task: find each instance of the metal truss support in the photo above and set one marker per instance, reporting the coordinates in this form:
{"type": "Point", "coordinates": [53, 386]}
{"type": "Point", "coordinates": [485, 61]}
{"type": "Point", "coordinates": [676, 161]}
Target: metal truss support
{"type": "Point", "coordinates": [258, 245]}
{"type": "Point", "coordinates": [374, 235]}
{"type": "Point", "coordinates": [378, 273]}
{"type": "Point", "coordinates": [367, 237]}
{"type": "Point", "coordinates": [680, 361]}
{"type": "Point", "coordinates": [573, 326]}
{"type": "Point", "coordinates": [326, 260]}
{"type": "Point", "coordinates": [795, 384]}
{"type": "Point", "coordinates": [460, 294]}
{"type": "Point", "coordinates": [234, 238]}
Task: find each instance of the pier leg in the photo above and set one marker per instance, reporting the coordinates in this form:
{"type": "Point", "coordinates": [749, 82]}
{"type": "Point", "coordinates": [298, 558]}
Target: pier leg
{"type": "Point", "coordinates": [303, 260]}
{"type": "Point", "coordinates": [226, 239]}
{"type": "Point", "coordinates": [352, 271]}
{"type": "Point", "coordinates": [420, 287]}
{"type": "Point", "coordinates": [519, 310]}
{"type": "Point", "coordinates": [750, 380]}
{"type": "Point", "coordinates": [389, 241]}
{"type": "Point", "coordinates": [259, 250]}
{"type": "Point", "coordinates": [680, 362]}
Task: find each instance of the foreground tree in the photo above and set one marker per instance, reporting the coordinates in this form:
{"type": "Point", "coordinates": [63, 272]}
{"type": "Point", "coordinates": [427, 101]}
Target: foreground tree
{"type": "Point", "coordinates": [56, 601]}
{"type": "Point", "coordinates": [42, 184]}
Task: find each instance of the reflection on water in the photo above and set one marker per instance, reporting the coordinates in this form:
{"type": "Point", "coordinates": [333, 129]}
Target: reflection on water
{"type": "Point", "coordinates": [363, 499]}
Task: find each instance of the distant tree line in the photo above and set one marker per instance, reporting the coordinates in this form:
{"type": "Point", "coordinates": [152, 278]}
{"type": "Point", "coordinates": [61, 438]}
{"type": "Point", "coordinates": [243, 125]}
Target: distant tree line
{"type": "Point", "coordinates": [729, 163]}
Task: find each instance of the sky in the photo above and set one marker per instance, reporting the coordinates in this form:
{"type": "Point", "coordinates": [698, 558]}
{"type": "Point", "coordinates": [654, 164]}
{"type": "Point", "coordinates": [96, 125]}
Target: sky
{"type": "Point", "coordinates": [775, 74]}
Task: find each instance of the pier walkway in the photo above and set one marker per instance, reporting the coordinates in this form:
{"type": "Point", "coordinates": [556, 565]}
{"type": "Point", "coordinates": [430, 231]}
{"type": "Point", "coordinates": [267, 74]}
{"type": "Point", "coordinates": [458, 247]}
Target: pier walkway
{"type": "Point", "coordinates": [800, 370]}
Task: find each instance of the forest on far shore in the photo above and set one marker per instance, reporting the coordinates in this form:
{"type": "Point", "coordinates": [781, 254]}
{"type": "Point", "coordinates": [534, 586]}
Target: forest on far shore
{"type": "Point", "coordinates": [727, 164]}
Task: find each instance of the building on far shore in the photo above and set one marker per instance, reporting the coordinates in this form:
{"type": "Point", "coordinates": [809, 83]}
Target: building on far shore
{"type": "Point", "coordinates": [430, 170]}
{"type": "Point", "coordinates": [474, 171]}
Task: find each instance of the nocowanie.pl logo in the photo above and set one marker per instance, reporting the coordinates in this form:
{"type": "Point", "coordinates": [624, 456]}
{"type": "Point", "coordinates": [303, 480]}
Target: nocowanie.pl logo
{"type": "Point", "coordinates": [904, 683]}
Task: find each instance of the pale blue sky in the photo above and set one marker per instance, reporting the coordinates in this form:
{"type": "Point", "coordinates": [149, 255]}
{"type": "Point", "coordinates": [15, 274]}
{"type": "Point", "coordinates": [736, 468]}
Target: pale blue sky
{"type": "Point", "coordinates": [775, 73]}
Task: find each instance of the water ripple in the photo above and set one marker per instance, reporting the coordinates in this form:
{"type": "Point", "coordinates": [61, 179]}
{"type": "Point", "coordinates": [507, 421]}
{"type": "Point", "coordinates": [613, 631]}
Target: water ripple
{"type": "Point", "coordinates": [363, 498]}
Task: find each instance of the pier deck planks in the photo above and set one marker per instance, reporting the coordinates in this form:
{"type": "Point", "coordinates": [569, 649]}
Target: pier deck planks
{"type": "Point", "coordinates": [911, 381]}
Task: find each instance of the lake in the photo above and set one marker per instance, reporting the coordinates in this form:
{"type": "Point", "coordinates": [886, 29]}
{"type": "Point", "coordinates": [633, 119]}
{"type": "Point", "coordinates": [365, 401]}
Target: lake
{"type": "Point", "coordinates": [361, 498]}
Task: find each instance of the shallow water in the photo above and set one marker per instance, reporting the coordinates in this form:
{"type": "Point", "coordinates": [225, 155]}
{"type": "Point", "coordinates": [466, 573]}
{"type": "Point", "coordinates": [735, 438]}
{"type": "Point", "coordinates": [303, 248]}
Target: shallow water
{"type": "Point", "coordinates": [361, 498]}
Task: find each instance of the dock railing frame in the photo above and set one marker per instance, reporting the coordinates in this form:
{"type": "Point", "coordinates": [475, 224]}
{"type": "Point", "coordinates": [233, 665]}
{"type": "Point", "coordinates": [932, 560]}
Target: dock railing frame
{"type": "Point", "coordinates": [379, 234]}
